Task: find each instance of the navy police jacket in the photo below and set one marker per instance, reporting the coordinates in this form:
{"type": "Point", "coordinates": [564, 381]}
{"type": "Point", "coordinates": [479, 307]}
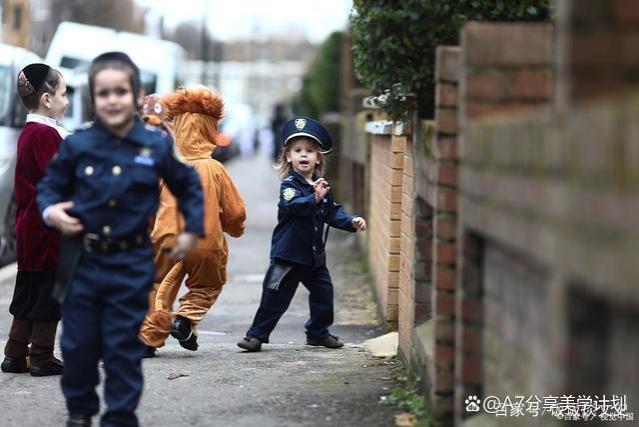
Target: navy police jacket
{"type": "Point", "coordinates": [113, 182]}
{"type": "Point", "coordinates": [298, 236]}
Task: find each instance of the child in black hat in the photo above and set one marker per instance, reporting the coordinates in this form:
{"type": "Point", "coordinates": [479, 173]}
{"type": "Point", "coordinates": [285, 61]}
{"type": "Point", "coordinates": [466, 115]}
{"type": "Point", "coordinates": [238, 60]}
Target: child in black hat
{"type": "Point", "coordinates": [35, 314]}
{"type": "Point", "coordinates": [297, 248]}
{"type": "Point", "coordinates": [103, 188]}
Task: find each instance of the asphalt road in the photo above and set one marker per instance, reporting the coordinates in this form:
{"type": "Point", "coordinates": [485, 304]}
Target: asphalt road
{"type": "Point", "coordinates": [287, 384]}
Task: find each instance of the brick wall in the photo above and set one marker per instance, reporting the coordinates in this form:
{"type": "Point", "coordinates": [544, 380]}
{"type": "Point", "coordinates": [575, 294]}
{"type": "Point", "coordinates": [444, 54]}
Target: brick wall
{"type": "Point", "coordinates": [442, 184]}
{"type": "Point", "coordinates": [524, 198]}
{"type": "Point", "coordinates": [548, 218]}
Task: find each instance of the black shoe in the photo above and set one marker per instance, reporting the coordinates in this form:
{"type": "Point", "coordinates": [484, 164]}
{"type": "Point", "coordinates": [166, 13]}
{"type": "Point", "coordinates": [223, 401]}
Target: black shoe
{"type": "Point", "coordinates": [149, 351]}
{"type": "Point", "coordinates": [15, 365]}
{"type": "Point", "coordinates": [250, 344]}
{"type": "Point", "coordinates": [330, 341]}
{"type": "Point", "coordinates": [181, 328]}
{"type": "Point", "coordinates": [79, 421]}
{"type": "Point", "coordinates": [52, 367]}
{"type": "Point", "coordinates": [191, 343]}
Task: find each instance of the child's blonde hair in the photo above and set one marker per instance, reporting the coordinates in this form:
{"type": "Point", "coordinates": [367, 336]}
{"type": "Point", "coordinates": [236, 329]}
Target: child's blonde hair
{"type": "Point", "coordinates": [284, 168]}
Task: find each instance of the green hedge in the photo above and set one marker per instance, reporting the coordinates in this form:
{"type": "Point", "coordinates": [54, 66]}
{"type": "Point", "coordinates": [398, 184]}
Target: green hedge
{"type": "Point", "coordinates": [321, 83]}
{"type": "Point", "coordinates": [394, 42]}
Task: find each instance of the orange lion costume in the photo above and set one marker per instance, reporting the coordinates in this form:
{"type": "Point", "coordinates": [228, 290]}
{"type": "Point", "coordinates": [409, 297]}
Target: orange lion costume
{"type": "Point", "coordinates": [194, 114]}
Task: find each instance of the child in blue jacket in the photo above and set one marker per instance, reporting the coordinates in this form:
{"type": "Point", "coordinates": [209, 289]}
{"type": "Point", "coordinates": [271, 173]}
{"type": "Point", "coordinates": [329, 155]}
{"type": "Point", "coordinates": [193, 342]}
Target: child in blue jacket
{"type": "Point", "coordinates": [297, 247]}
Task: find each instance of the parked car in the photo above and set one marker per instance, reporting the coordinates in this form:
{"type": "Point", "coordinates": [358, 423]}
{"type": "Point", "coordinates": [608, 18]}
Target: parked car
{"type": "Point", "coordinates": [12, 117]}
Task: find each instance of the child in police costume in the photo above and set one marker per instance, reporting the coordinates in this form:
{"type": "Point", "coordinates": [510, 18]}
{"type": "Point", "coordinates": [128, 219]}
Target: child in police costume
{"type": "Point", "coordinates": [103, 187]}
{"type": "Point", "coordinates": [35, 314]}
{"type": "Point", "coordinates": [297, 247]}
{"type": "Point", "coordinates": [193, 114]}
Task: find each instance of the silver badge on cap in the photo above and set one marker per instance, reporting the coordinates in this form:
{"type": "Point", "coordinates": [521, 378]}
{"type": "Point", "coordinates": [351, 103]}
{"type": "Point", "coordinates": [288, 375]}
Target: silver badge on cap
{"type": "Point", "coordinates": [300, 123]}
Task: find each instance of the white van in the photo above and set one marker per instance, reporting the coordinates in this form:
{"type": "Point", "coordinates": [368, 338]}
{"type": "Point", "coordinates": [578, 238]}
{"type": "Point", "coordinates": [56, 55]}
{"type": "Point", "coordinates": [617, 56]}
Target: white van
{"type": "Point", "coordinates": [75, 45]}
{"type": "Point", "coordinates": [12, 117]}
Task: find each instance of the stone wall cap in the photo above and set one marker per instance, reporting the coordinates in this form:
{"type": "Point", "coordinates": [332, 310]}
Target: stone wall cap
{"type": "Point", "coordinates": [379, 127]}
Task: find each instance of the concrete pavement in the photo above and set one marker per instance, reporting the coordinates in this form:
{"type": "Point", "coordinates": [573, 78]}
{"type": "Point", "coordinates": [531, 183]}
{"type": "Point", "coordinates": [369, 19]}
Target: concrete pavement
{"type": "Point", "coordinates": [287, 384]}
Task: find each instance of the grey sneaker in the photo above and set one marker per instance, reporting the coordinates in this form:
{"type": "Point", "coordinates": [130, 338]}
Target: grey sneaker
{"type": "Point", "coordinates": [250, 344]}
{"type": "Point", "coordinates": [330, 341]}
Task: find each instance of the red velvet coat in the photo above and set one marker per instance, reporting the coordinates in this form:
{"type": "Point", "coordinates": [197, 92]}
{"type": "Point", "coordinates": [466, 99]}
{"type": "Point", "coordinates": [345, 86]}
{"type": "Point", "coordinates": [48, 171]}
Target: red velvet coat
{"type": "Point", "coordinates": [37, 245]}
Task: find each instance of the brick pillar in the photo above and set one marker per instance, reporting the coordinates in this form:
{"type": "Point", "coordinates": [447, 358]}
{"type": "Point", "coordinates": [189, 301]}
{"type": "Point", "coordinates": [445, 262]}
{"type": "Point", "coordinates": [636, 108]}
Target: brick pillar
{"type": "Point", "coordinates": [442, 178]}
{"type": "Point", "coordinates": [506, 69]}
{"type": "Point", "coordinates": [406, 297]}
{"type": "Point", "coordinates": [468, 354]}
{"type": "Point", "coordinates": [596, 48]}
{"type": "Point", "coordinates": [387, 159]}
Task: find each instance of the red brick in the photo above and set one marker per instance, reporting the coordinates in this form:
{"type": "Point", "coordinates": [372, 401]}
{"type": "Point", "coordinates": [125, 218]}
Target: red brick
{"type": "Point", "coordinates": [425, 248]}
{"type": "Point", "coordinates": [425, 210]}
{"type": "Point", "coordinates": [485, 85]}
{"type": "Point", "coordinates": [471, 369]}
{"type": "Point", "coordinates": [445, 277]}
{"type": "Point", "coordinates": [445, 331]}
{"type": "Point", "coordinates": [446, 121]}
{"type": "Point", "coordinates": [445, 304]}
{"type": "Point", "coordinates": [446, 148]}
{"type": "Point", "coordinates": [470, 309]}
{"type": "Point", "coordinates": [446, 200]}
{"type": "Point", "coordinates": [471, 339]}
{"type": "Point", "coordinates": [447, 173]}
{"type": "Point", "coordinates": [445, 227]}
{"type": "Point", "coordinates": [444, 354]}
{"type": "Point", "coordinates": [604, 48]}
{"type": "Point", "coordinates": [530, 84]}
{"type": "Point", "coordinates": [423, 229]}
{"type": "Point", "coordinates": [422, 312]}
{"type": "Point", "coordinates": [626, 11]}
{"type": "Point", "coordinates": [446, 95]}
{"type": "Point", "coordinates": [445, 253]}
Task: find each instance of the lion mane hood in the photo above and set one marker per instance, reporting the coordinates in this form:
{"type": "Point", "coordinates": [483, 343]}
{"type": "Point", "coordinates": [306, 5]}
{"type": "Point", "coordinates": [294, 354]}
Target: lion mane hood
{"type": "Point", "coordinates": [195, 114]}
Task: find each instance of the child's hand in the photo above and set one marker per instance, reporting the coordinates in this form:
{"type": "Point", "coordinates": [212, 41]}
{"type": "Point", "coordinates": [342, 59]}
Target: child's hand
{"type": "Point", "coordinates": [321, 188]}
{"type": "Point", "coordinates": [184, 244]}
{"type": "Point", "coordinates": [58, 217]}
{"type": "Point", "coordinates": [359, 223]}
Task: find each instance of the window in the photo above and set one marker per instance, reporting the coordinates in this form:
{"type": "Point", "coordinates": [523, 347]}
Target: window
{"type": "Point", "coordinates": [69, 62]}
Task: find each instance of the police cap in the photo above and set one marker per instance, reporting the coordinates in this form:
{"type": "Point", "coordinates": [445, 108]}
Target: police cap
{"type": "Point", "coordinates": [309, 127]}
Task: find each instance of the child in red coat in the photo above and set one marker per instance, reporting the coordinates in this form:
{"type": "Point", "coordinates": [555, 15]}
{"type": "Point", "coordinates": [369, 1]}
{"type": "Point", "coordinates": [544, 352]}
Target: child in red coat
{"type": "Point", "coordinates": [35, 313]}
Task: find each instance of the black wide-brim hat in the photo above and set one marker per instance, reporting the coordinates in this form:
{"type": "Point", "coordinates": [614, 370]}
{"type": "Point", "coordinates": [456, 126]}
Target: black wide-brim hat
{"type": "Point", "coordinates": [31, 78]}
{"type": "Point", "coordinates": [308, 127]}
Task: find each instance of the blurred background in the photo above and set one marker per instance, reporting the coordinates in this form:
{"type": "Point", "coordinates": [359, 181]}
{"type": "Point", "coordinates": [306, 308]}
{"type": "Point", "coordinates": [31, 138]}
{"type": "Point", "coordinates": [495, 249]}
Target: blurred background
{"type": "Point", "coordinates": [268, 60]}
{"type": "Point", "coordinates": [256, 54]}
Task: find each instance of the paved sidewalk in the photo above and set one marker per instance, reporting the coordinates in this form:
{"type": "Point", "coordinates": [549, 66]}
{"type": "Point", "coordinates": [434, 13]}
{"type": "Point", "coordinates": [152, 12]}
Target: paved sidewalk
{"type": "Point", "coordinates": [287, 384]}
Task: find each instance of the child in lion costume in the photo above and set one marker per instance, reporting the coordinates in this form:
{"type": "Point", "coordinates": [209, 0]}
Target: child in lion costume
{"type": "Point", "coordinates": [194, 114]}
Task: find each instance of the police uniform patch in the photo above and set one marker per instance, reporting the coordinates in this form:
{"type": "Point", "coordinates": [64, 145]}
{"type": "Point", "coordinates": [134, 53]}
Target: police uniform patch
{"type": "Point", "coordinates": [145, 152]}
{"type": "Point", "coordinates": [289, 193]}
{"type": "Point", "coordinates": [300, 124]}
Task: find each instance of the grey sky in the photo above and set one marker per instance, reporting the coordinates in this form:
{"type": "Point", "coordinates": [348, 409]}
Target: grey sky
{"type": "Point", "coordinates": [257, 18]}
